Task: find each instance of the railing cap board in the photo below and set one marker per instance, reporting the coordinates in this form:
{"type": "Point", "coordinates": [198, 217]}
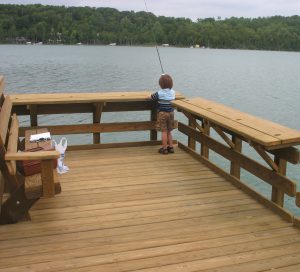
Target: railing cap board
{"type": "Point", "coordinates": [67, 98]}
{"type": "Point", "coordinates": [25, 156]}
{"type": "Point", "coordinates": [5, 114]}
{"type": "Point", "coordinates": [264, 132]}
{"type": "Point", "coordinates": [290, 154]}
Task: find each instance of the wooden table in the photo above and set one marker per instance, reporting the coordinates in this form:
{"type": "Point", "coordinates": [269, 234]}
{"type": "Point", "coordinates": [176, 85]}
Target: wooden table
{"type": "Point", "coordinates": [257, 130]}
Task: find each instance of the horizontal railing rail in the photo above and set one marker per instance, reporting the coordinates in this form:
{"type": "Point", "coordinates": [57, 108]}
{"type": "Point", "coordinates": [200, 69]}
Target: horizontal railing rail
{"type": "Point", "coordinates": [96, 128]}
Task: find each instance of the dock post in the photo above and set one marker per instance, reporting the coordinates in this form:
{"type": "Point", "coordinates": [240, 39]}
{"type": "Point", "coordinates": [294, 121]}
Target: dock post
{"type": "Point", "coordinates": [206, 131]}
{"type": "Point", "coordinates": [191, 141]}
{"type": "Point", "coordinates": [235, 169]}
{"type": "Point", "coordinates": [277, 194]}
{"type": "Point", "coordinates": [153, 117]}
{"type": "Point", "coordinates": [97, 113]}
{"type": "Point", "coordinates": [33, 115]}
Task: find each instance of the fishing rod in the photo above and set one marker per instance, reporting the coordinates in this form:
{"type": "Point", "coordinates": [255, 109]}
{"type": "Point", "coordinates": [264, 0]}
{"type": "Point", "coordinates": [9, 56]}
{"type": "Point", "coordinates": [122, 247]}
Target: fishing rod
{"type": "Point", "coordinates": [154, 37]}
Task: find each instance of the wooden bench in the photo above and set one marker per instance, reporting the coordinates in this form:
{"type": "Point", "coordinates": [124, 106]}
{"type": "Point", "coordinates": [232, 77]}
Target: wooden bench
{"type": "Point", "coordinates": [22, 191]}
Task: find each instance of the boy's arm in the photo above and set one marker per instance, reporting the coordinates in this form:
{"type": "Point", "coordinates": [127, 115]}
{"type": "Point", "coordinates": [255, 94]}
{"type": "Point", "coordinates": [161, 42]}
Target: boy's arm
{"type": "Point", "coordinates": [154, 96]}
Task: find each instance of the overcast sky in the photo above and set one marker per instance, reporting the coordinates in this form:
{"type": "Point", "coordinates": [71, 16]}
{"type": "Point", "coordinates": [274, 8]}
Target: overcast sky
{"type": "Point", "coordinates": [193, 9]}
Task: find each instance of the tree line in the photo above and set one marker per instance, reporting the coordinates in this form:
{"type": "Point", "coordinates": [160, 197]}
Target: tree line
{"type": "Point", "coordinates": [71, 25]}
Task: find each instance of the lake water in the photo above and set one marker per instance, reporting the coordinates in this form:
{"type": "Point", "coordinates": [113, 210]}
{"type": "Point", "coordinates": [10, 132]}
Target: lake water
{"type": "Point", "coordinates": [263, 83]}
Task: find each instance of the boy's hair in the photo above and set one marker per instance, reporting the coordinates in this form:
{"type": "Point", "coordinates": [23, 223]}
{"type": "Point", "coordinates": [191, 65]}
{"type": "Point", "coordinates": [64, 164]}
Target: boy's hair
{"type": "Point", "coordinates": [166, 82]}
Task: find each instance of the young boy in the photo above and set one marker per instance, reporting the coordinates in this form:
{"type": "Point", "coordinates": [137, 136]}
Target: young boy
{"type": "Point", "coordinates": [165, 116]}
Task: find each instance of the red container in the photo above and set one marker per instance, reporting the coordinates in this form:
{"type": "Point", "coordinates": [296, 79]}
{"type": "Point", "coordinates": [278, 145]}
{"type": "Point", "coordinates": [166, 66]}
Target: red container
{"type": "Point", "coordinates": [29, 168]}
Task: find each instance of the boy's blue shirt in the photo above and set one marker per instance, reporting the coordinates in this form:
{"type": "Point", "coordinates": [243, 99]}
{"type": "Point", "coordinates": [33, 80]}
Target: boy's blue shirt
{"type": "Point", "coordinates": [164, 98]}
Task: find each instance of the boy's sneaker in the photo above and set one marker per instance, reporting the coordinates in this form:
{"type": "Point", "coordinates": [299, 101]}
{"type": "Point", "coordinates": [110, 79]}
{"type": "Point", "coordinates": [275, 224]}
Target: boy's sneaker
{"type": "Point", "coordinates": [163, 151]}
{"type": "Point", "coordinates": [170, 149]}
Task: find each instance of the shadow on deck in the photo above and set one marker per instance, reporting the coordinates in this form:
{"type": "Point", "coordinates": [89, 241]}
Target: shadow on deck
{"type": "Point", "coordinates": [130, 209]}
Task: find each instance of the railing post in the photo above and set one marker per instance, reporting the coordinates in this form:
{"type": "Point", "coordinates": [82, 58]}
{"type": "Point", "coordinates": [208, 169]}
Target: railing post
{"type": "Point", "coordinates": [277, 194]}
{"type": "Point", "coordinates": [206, 130]}
{"type": "Point", "coordinates": [153, 118]}
{"type": "Point", "coordinates": [97, 112]}
{"type": "Point", "coordinates": [235, 169]}
{"type": "Point", "coordinates": [33, 115]}
{"type": "Point", "coordinates": [191, 141]}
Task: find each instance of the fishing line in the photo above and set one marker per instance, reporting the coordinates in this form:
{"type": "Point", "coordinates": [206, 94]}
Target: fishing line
{"type": "Point", "coordinates": [161, 66]}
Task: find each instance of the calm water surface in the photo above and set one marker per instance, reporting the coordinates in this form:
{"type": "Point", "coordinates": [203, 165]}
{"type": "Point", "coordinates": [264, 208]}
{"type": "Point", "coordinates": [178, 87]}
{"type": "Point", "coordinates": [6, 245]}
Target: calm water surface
{"type": "Point", "coordinates": [263, 83]}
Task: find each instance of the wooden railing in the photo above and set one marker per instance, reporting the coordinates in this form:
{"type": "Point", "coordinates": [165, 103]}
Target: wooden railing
{"type": "Point", "coordinates": [94, 103]}
{"type": "Point", "coordinates": [198, 129]}
{"type": "Point", "coordinates": [202, 128]}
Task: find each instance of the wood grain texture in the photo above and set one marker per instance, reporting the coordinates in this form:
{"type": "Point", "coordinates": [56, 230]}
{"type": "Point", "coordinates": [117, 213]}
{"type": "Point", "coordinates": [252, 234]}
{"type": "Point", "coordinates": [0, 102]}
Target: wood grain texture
{"type": "Point", "coordinates": [283, 133]}
{"type": "Point", "coordinates": [77, 98]}
{"type": "Point", "coordinates": [298, 199]}
{"type": "Point", "coordinates": [97, 113]}
{"type": "Point", "coordinates": [34, 187]}
{"type": "Point", "coordinates": [258, 130]}
{"type": "Point", "coordinates": [97, 128]}
{"type": "Point", "coordinates": [242, 185]}
{"type": "Point", "coordinates": [264, 173]}
{"type": "Point", "coordinates": [290, 154]}
{"type": "Point", "coordinates": [25, 156]}
{"type": "Point", "coordinates": [5, 115]}
{"type": "Point", "coordinates": [120, 212]}
{"type": "Point", "coordinates": [12, 146]}
{"type": "Point", "coordinates": [235, 168]}
{"type": "Point", "coordinates": [2, 84]}
{"type": "Point", "coordinates": [2, 187]}
{"type": "Point", "coordinates": [277, 194]}
{"type": "Point", "coordinates": [47, 178]}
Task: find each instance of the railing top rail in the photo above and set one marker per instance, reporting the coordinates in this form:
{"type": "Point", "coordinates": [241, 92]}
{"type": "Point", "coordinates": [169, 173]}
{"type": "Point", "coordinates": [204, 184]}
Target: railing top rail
{"type": "Point", "coordinates": [257, 130]}
{"type": "Point", "coordinates": [68, 98]}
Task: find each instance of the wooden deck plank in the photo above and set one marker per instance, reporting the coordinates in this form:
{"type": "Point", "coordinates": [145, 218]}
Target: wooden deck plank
{"type": "Point", "coordinates": [126, 215]}
{"type": "Point", "coordinates": [180, 230]}
{"type": "Point", "coordinates": [167, 258]}
{"type": "Point", "coordinates": [115, 245]}
{"type": "Point", "coordinates": [290, 268]}
{"type": "Point", "coordinates": [284, 263]}
{"type": "Point", "coordinates": [184, 250]}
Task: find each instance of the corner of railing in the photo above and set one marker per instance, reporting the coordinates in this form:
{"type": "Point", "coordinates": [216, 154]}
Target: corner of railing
{"type": "Point", "coordinates": [273, 171]}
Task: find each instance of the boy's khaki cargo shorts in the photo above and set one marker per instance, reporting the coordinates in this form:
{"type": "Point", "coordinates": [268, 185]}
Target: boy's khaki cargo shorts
{"type": "Point", "coordinates": [165, 121]}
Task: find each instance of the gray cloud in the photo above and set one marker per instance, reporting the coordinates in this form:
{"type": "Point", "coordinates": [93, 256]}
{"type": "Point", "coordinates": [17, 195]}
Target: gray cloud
{"type": "Point", "coordinates": [187, 8]}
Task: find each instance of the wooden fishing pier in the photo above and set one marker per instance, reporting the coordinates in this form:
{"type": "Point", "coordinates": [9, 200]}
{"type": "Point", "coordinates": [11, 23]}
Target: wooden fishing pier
{"type": "Point", "coordinates": [125, 207]}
